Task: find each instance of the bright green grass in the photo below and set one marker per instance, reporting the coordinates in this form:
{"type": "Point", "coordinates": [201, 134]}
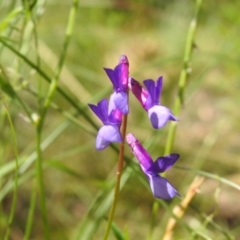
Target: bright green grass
{"type": "Point", "coordinates": [53, 183]}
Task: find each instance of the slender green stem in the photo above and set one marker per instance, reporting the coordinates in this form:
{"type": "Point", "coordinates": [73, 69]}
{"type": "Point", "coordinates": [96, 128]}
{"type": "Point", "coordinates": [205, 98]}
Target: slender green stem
{"type": "Point", "coordinates": [39, 172]}
{"type": "Point", "coordinates": [155, 209]}
{"type": "Point", "coordinates": [48, 79]}
{"type": "Point", "coordinates": [14, 201]}
{"type": "Point", "coordinates": [28, 228]}
{"type": "Point", "coordinates": [54, 81]}
{"type": "Point", "coordinates": [119, 173]}
{"type": "Point", "coordinates": [8, 89]}
{"type": "Point", "coordinates": [184, 75]}
{"type": "Point", "coordinates": [68, 114]}
{"type": "Point", "coordinates": [186, 70]}
{"type": "Point", "coordinates": [212, 176]}
{"type": "Point", "coordinates": [47, 102]}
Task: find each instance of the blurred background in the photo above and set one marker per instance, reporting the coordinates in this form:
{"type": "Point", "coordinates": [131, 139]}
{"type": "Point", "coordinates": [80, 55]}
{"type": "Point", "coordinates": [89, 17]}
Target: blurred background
{"type": "Point", "coordinates": [77, 178]}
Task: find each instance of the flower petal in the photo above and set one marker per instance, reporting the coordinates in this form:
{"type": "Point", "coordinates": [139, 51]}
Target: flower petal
{"type": "Point", "coordinates": [159, 116]}
{"type": "Point", "coordinates": [161, 188]}
{"type": "Point", "coordinates": [150, 85]}
{"type": "Point", "coordinates": [111, 104]}
{"type": "Point", "coordinates": [101, 110]}
{"type": "Point", "coordinates": [101, 143]}
{"type": "Point", "coordinates": [114, 79]}
{"type": "Point", "coordinates": [115, 115]}
{"type": "Point", "coordinates": [107, 134]}
{"type": "Point", "coordinates": [140, 93]}
{"type": "Point", "coordinates": [121, 72]}
{"type": "Point", "coordinates": [158, 90]}
{"type": "Point", "coordinates": [121, 102]}
{"type": "Point", "coordinates": [163, 163]}
{"type": "Point", "coordinates": [139, 152]}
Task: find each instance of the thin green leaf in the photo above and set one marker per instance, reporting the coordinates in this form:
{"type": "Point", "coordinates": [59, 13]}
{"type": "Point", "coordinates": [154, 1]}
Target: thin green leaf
{"type": "Point", "coordinates": [15, 191]}
{"type": "Point", "coordinates": [117, 232]}
{"type": "Point", "coordinates": [212, 176]}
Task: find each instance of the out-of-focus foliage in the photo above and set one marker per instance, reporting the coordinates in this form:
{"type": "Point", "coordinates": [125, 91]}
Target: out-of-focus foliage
{"type": "Point", "coordinates": [77, 178]}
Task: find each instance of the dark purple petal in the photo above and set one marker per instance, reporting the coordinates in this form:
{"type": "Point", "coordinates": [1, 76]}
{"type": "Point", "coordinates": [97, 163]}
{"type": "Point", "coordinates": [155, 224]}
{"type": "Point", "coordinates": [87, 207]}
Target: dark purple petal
{"type": "Point", "coordinates": [121, 102]}
{"type": "Point", "coordinates": [140, 93]}
{"type": "Point", "coordinates": [121, 72]}
{"type": "Point", "coordinates": [159, 116]}
{"type": "Point", "coordinates": [154, 91]}
{"type": "Point", "coordinates": [163, 163]}
{"type": "Point", "coordinates": [114, 79]}
{"type": "Point", "coordinates": [158, 90]}
{"type": "Point", "coordinates": [115, 117]}
{"type": "Point", "coordinates": [150, 85]}
{"type": "Point", "coordinates": [106, 135]}
{"type": "Point", "coordinates": [161, 188]}
{"type": "Point", "coordinates": [139, 152]}
{"type": "Point", "coordinates": [124, 74]}
{"type": "Point", "coordinates": [101, 110]}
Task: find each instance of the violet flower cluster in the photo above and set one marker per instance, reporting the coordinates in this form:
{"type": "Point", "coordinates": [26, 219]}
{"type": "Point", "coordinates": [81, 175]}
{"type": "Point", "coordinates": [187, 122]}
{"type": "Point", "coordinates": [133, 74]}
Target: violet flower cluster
{"type": "Point", "coordinates": [111, 114]}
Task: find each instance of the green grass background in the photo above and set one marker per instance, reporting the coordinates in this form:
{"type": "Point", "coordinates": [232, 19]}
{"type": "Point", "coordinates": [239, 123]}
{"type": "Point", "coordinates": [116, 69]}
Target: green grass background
{"type": "Point", "coordinates": [78, 179]}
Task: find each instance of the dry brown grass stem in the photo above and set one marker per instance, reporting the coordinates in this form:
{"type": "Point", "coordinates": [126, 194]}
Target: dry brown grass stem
{"type": "Point", "coordinates": [179, 210]}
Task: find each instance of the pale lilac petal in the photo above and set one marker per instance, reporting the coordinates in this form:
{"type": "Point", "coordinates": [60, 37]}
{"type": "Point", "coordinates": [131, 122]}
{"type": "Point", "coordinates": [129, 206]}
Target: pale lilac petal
{"type": "Point", "coordinates": [161, 188]}
{"type": "Point", "coordinates": [101, 143]}
{"type": "Point", "coordinates": [121, 102]}
{"type": "Point", "coordinates": [110, 133]}
{"type": "Point", "coordinates": [107, 134]}
{"type": "Point", "coordinates": [159, 116]}
{"type": "Point", "coordinates": [163, 163]}
{"type": "Point", "coordinates": [139, 152]}
{"type": "Point", "coordinates": [111, 104]}
{"type": "Point", "coordinates": [101, 110]}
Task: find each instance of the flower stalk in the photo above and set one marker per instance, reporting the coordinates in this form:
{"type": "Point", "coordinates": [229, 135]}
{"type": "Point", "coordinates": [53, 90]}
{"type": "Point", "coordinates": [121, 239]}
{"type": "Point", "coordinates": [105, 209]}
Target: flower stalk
{"type": "Point", "coordinates": [118, 180]}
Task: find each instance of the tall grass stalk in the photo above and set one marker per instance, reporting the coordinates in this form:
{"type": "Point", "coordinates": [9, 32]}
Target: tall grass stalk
{"type": "Point", "coordinates": [119, 173]}
{"type": "Point", "coordinates": [45, 77]}
{"type": "Point", "coordinates": [15, 190]}
{"type": "Point", "coordinates": [184, 75]}
{"type": "Point", "coordinates": [40, 123]}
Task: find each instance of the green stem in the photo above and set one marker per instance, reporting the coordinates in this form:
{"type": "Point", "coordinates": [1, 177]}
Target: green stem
{"type": "Point", "coordinates": [28, 228]}
{"type": "Point", "coordinates": [186, 70]}
{"type": "Point", "coordinates": [119, 173]}
{"type": "Point", "coordinates": [54, 81]}
{"type": "Point", "coordinates": [155, 210]}
{"type": "Point", "coordinates": [48, 79]}
{"type": "Point", "coordinates": [39, 172]}
{"type": "Point", "coordinates": [8, 89]}
{"type": "Point", "coordinates": [184, 75]}
{"type": "Point", "coordinates": [15, 191]}
{"type": "Point", "coordinates": [48, 100]}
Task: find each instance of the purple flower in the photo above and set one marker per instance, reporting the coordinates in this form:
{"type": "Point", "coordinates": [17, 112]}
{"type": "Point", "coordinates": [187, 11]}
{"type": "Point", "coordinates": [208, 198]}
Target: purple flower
{"type": "Point", "coordinates": [111, 118]}
{"type": "Point", "coordinates": [160, 186]}
{"type": "Point", "coordinates": [119, 79]}
{"type": "Point", "coordinates": [158, 114]}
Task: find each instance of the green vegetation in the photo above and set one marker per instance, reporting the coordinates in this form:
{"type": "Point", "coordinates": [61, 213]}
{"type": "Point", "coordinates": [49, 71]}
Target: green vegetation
{"type": "Point", "coordinates": [53, 183]}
